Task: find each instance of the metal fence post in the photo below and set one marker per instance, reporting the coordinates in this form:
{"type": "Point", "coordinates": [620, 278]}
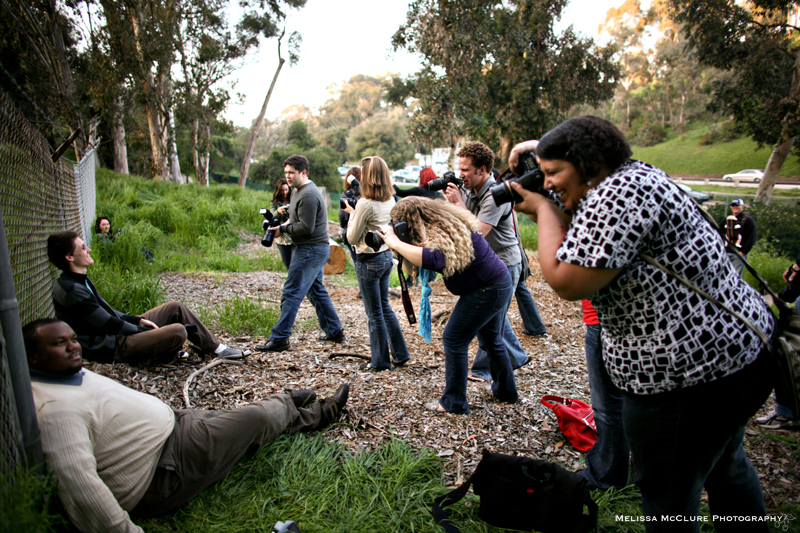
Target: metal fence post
{"type": "Point", "coordinates": [30, 447]}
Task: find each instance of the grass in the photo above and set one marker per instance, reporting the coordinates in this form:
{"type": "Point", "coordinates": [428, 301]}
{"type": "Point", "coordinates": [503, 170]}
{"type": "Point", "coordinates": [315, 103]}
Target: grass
{"type": "Point", "coordinates": [243, 316]}
{"type": "Point", "coordinates": [25, 502]}
{"type": "Point", "coordinates": [683, 154]}
{"type": "Point", "coordinates": [326, 489]}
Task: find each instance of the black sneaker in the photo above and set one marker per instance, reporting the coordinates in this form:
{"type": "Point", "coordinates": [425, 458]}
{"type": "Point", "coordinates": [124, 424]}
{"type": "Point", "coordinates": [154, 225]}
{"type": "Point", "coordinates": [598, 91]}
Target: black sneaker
{"type": "Point", "coordinates": [338, 338]}
{"type": "Point", "coordinates": [529, 333]}
{"type": "Point", "coordinates": [274, 346]}
{"type": "Point", "coordinates": [303, 397]}
{"type": "Point", "coordinates": [333, 405]}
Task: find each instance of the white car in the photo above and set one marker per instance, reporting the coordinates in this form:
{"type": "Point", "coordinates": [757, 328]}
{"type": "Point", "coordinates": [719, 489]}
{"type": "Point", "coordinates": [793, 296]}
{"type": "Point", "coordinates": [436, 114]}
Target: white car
{"type": "Point", "coordinates": [405, 176]}
{"type": "Point", "coordinates": [750, 174]}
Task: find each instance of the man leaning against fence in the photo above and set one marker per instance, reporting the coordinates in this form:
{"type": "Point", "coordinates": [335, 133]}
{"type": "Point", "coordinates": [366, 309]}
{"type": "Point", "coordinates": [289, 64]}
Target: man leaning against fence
{"type": "Point", "coordinates": [109, 336]}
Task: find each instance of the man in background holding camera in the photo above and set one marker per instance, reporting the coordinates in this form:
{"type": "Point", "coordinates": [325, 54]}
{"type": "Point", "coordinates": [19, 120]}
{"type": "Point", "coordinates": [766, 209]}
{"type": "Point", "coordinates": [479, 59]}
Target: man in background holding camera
{"type": "Point", "coordinates": [475, 162]}
{"type": "Point", "coordinates": [108, 336]}
{"type": "Point", "coordinates": [308, 228]}
{"type": "Point", "coordinates": [742, 234]}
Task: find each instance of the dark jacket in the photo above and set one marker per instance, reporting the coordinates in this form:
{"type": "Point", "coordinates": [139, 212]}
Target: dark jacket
{"type": "Point", "coordinates": [97, 325]}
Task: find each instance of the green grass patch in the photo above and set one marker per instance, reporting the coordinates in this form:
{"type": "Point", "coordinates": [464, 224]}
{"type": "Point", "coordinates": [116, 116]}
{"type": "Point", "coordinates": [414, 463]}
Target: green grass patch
{"type": "Point", "coordinates": [683, 154]}
{"type": "Point", "coordinates": [25, 502]}
{"type": "Point", "coordinates": [243, 316]}
{"type": "Point", "coordinates": [320, 486]}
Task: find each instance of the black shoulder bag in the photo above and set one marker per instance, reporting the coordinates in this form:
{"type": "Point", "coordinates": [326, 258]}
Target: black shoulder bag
{"type": "Point", "coordinates": [524, 494]}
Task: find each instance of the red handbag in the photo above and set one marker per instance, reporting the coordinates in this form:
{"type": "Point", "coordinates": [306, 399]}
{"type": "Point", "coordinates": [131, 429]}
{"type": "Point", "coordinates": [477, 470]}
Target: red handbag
{"type": "Point", "coordinates": [576, 420]}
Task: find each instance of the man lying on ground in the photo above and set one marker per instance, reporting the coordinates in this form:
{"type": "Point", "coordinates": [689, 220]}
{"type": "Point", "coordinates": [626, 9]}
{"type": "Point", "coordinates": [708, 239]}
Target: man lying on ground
{"type": "Point", "coordinates": [107, 335]}
{"type": "Point", "coordinates": [117, 453]}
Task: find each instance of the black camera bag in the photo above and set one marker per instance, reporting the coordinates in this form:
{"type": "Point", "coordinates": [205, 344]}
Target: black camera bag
{"type": "Point", "coordinates": [523, 493]}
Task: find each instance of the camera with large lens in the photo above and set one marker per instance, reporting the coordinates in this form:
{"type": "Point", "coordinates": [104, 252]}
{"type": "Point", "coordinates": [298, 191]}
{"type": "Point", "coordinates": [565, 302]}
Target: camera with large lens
{"type": "Point", "coordinates": [374, 240]}
{"type": "Point", "coordinates": [269, 236]}
{"type": "Point", "coordinates": [531, 179]}
{"type": "Point", "coordinates": [440, 184]}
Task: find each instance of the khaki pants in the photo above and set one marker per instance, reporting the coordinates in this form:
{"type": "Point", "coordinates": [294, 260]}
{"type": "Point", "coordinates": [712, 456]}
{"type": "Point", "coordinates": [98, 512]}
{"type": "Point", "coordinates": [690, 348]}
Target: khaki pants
{"type": "Point", "coordinates": [163, 343]}
{"type": "Point", "coordinates": [205, 445]}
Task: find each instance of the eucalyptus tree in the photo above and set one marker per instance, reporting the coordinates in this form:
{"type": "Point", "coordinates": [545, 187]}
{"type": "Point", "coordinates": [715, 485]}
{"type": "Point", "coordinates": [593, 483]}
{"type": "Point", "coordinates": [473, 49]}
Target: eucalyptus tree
{"type": "Point", "coordinates": [757, 43]}
{"type": "Point", "coordinates": [496, 70]}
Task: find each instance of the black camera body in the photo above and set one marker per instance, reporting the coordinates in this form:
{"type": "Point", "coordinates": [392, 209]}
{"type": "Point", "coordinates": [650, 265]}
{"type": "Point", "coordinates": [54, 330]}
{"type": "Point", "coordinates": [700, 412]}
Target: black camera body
{"type": "Point", "coordinates": [531, 179]}
{"type": "Point", "coordinates": [269, 236]}
{"type": "Point", "coordinates": [440, 184]}
{"type": "Point", "coordinates": [352, 195]}
{"type": "Point", "coordinates": [374, 240]}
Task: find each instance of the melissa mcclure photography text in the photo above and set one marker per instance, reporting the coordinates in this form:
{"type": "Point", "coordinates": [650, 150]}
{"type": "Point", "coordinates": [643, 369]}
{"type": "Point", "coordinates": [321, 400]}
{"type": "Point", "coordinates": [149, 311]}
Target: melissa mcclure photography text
{"type": "Point", "coordinates": [781, 521]}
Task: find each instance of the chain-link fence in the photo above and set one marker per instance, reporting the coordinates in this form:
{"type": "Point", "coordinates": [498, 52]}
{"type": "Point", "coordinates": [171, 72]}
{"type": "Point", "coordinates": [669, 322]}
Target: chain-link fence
{"type": "Point", "coordinates": [37, 198]}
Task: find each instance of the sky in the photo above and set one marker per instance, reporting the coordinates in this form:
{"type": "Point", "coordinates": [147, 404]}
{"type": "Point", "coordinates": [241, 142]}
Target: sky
{"type": "Point", "coordinates": [342, 38]}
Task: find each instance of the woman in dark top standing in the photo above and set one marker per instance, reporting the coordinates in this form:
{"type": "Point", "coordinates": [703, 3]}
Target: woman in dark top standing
{"type": "Point", "coordinates": [446, 239]}
{"type": "Point", "coordinates": [669, 350]}
{"type": "Point", "coordinates": [281, 197]}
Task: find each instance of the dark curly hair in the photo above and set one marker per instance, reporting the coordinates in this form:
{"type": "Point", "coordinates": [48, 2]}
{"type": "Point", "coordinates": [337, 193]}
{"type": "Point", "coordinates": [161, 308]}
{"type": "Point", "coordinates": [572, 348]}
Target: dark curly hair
{"type": "Point", "coordinates": [481, 155]}
{"type": "Point", "coordinates": [589, 143]}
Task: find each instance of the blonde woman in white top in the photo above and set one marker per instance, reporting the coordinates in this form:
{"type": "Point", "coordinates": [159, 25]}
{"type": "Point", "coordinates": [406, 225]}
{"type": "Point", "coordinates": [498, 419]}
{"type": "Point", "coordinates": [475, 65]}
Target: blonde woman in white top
{"type": "Point", "coordinates": [375, 266]}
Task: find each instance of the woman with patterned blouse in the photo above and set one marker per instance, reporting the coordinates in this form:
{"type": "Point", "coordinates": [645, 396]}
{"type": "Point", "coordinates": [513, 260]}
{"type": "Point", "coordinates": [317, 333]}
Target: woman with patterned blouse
{"type": "Point", "coordinates": [692, 374]}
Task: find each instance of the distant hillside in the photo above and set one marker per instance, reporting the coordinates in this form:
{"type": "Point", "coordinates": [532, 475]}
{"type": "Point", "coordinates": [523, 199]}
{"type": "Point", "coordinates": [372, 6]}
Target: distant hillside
{"type": "Point", "coordinates": [682, 155]}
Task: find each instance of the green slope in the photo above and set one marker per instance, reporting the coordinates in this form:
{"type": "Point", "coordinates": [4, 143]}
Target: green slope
{"type": "Point", "coordinates": [684, 154]}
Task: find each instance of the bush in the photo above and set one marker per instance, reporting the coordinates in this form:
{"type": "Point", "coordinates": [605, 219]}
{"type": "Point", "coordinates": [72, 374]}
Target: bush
{"type": "Point", "coordinates": [645, 133]}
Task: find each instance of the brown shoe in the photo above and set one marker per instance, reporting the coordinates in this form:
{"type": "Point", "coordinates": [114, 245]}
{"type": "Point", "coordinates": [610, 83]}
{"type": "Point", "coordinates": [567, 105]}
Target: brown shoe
{"type": "Point", "coordinates": [333, 405]}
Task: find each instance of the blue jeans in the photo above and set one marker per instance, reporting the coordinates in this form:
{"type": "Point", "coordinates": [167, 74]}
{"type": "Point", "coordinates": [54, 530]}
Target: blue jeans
{"type": "Point", "coordinates": [677, 451]}
{"type": "Point", "coordinates": [607, 461]}
{"type": "Point", "coordinates": [286, 251]}
{"type": "Point", "coordinates": [737, 265]}
{"type": "Point", "coordinates": [480, 366]}
{"type": "Point", "coordinates": [481, 313]}
{"type": "Point", "coordinates": [384, 329]}
{"type": "Point", "coordinates": [528, 312]}
{"type": "Point", "coordinates": [305, 279]}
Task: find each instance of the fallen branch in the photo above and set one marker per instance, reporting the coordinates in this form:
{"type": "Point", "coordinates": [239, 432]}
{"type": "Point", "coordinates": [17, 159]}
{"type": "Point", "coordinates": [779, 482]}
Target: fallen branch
{"type": "Point", "coordinates": [395, 293]}
{"type": "Point", "coordinates": [345, 354]}
{"type": "Point", "coordinates": [200, 371]}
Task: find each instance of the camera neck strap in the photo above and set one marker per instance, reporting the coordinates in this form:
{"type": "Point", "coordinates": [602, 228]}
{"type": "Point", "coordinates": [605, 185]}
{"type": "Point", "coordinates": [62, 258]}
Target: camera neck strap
{"type": "Point", "coordinates": [408, 307]}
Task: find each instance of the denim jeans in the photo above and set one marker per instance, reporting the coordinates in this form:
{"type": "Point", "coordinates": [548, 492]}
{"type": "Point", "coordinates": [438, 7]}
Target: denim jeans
{"type": "Point", "coordinates": [481, 313]}
{"type": "Point", "coordinates": [384, 329]}
{"type": "Point", "coordinates": [528, 312]}
{"type": "Point", "coordinates": [680, 444]}
{"type": "Point", "coordinates": [305, 279]}
{"type": "Point", "coordinates": [480, 365]}
{"type": "Point", "coordinates": [286, 251]}
{"type": "Point", "coordinates": [737, 265]}
{"type": "Point", "coordinates": [607, 461]}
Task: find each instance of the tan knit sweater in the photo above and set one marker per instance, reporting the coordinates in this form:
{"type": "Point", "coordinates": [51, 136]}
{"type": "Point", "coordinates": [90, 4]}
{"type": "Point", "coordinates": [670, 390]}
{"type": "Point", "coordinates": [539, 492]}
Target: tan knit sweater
{"type": "Point", "coordinates": [102, 441]}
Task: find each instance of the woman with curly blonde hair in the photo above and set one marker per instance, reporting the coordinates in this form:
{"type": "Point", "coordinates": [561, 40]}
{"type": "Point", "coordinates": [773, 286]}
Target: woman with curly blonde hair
{"type": "Point", "coordinates": [447, 240]}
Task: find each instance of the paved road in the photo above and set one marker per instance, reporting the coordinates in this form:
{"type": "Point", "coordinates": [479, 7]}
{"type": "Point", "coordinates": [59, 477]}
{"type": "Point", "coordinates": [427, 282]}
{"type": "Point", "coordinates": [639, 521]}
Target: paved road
{"type": "Point", "coordinates": [741, 184]}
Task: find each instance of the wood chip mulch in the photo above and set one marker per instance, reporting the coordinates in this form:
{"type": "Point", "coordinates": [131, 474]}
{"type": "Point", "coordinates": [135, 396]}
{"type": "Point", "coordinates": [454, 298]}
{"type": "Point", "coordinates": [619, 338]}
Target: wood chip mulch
{"type": "Point", "coordinates": [389, 404]}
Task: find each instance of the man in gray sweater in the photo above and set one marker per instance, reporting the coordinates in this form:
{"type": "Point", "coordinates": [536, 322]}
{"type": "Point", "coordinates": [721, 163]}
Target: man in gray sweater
{"type": "Point", "coordinates": [308, 228]}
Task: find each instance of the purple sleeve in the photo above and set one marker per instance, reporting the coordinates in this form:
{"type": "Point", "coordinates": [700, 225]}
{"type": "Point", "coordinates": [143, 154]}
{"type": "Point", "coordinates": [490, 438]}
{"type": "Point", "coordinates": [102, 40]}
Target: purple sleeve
{"type": "Point", "coordinates": [432, 260]}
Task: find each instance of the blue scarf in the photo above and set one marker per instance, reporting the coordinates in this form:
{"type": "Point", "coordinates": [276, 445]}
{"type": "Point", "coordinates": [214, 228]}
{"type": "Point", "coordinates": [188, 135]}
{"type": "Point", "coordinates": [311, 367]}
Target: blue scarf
{"type": "Point", "coordinates": [425, 304]}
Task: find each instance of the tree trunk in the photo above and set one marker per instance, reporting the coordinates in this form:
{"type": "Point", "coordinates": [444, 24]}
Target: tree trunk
{"type": "Point", "coordinates": [120, 148]}
{"type": "Point", "coordinates": [773, 170]}
{"type": "Point", "coordinates": [781, 151]}
{"type": "Point", "coordinates": [174, 162]}
{"type": "Point", "coordinates": [257, 125]}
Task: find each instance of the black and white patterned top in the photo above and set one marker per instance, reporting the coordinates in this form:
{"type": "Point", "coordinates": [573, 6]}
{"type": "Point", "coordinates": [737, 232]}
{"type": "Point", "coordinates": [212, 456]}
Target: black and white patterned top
{"type": "Point", "coordinates": [657, 334]}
